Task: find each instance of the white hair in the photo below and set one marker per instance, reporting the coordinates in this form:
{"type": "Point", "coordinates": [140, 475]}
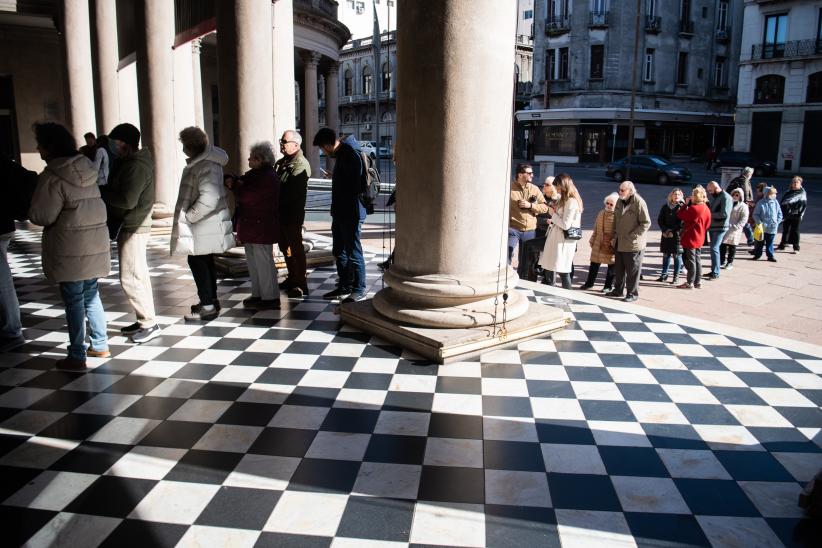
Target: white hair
{"type": "Point", "coordinates": [612, 196]}
{"type": "Point", "coordinates": [748, 171]}
{"type": "Point", "coordinates": [630, 186]}
{"type": "Point", "coordinates": [295, 136]}
{"type": "Point", "coordinates": [264, 150]}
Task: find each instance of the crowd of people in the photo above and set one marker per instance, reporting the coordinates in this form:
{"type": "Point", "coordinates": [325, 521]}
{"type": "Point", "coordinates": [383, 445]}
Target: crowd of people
{"type": "Point", "coordinates": [85, 199]}
{"type": "Point", "coordinates": [546, 225]}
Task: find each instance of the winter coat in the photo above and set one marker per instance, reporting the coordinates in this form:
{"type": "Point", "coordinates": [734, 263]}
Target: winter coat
{"type": "Point", "coordinates": [129, 193]}
{"type": "Point", "coordinates": [738, 220]}
{"type": "Point", "coordinates": [631, 223]}
{"type": "Point", "coordinates": [18, 187]}
{"type": "Point", "coordinates": [720, 205]}
{"type": "Point", "coordinates": [769, 214]}
{"type": "Point", "coordinates": [258, 207]}
{"type": "Point", "coordinates": [67, 204]}
{"type": "Point", "coordinates": [669, 222]}
{"type": "Point", "coordinates": [202, 222]}
{"type": "Point", "coordinates": [794, 203]}
{"type": "Point", "coordinates": [558, 253]}
{"type": "Point", "coordinates": [525, 220]}
{"type": "Point", "coordinates": [742, 183]}
{"type": "Point", "coordinates": [696, 220]}
{"type": "Point", "coordinates": [293, 174]}
{"type": "Point", "coordinates": [602, 251]}
{"type": "Point", "coordinates": [345, 183]}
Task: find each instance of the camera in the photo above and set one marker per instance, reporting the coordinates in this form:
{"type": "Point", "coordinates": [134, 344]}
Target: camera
{"type": "Point", "coordinates": [532, 199]}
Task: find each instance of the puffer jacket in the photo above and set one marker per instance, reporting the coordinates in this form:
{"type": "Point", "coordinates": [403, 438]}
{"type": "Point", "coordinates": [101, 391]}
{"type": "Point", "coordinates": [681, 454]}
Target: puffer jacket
{"type": "Point", "coordinates": [738, 220]}
{"type": "Point", "coordinates": [769, 214]}
{"type": "Point", "coordinates": [129, 193]}
{"type": "Point", "coordinates": [602, 252]}
{"type": "Point", "coordinates": [202, 222]}
{"type": "Point", "coordinates": [794, 203]}
{"type": "Point", "coordinates": [67, 204]}
{"type": "Point", "coordinates": [631, 224]}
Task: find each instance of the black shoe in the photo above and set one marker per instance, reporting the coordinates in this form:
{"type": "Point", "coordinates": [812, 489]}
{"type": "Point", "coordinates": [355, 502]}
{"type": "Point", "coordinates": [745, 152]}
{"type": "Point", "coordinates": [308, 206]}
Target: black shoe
{"type": "Point", "coordinates": [711, 276]}
{"type": "Point", "coordinates": [249, 302]}
{"type": "Point", "coordinates": [607, 290]}
{"type": "Point", "coordinates": [772, 259]}
{"type": "Point", "coordinates": [613, 294]}
{"type": "Point", "coordinates": [781, 247]}
{"type": "Point", "coordinates": [339, 293]}
{"type": "Point", "coordinates": [796, 249]}
{"type": "Point", "coordinates": [10, 344]}
{"type": "Point", "coordinates": [629, 298]}
{"type": "Point", "coordinates": [202, 313]}
{"type": "Point", "coordinates": [268, 304]}
{"type": "Point", "coordinates": [662, 278]}
{"type": "Point", "coordinates": [148, 333]}
{"type": "Point", "coordinates": [296, 293]}
{"type": "Point", "coordinates": [586, 286]}
{"type": "Point", "coordinates": [130, 329]}
{"type": "Point", "coordinates": [675, 280]}
{"type": "Point", "coordinates": [286, 284]}
{"type": "Point", "coordinates": [71, 364]}
{"type": "Point", "coordinates": [355, 297]}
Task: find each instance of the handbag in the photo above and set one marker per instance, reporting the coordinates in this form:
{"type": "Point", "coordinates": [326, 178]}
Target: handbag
{"type": "Point", "coordinates": [573, 233]}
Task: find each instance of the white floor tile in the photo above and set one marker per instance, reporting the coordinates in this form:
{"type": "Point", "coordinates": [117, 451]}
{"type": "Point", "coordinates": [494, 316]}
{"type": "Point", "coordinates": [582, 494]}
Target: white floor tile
{"type": "Point", "coordinates": [448, 524]}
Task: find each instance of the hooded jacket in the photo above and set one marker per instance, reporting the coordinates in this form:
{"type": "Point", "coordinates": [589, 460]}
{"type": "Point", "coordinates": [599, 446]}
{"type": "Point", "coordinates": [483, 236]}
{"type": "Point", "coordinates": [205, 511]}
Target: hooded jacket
{"type": "Point", "coordinates": [67, 204]}
{"type": "Point", "coordinates": [737, 220]}
{"type": "Point", "coordinates": [202, 222]}
{"type": "Point", "coordinates": [768, 213]}
{"type": "Point", "coordinates": [345, 183]}
{"type": "Point", "coordinates": [794, 203]}
{"type": "Point", "coordinates": [129, 193]}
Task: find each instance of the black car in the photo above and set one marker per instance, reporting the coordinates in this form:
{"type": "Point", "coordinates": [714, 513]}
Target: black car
{"type": "Point", "coordinates": [745, 159]}
{"type": "Point", "coordinates": [648, 169]}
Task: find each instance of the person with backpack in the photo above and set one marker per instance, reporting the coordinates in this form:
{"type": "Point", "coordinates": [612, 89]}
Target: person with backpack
{"type": "Point", "coordinates": [348, 185]}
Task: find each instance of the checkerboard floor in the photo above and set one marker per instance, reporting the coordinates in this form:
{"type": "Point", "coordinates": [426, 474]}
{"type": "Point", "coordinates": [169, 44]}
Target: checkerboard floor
{"type": "Point", "coordinates": [286, 428]}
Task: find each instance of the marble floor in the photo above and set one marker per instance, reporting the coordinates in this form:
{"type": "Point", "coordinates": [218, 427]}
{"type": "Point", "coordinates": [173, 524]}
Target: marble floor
{"type": "Point", "coordinates": [286, 428]}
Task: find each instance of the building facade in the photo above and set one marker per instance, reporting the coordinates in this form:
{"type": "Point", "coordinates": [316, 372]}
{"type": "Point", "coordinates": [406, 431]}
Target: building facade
{"type": "Point", "coordinates": [779, 112]}
{"type": "Point", "coordinates": [686, 77]}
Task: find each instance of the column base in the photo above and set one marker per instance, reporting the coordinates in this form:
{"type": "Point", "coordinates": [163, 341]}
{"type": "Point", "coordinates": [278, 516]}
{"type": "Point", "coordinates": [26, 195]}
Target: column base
{"type": "Point", "coordinates": [449, 345]}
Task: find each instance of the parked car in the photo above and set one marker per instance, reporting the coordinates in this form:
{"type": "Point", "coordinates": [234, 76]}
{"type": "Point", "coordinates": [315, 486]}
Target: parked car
{"type": "Point", "coordinates": [369, 147]}
{"type": "Point", "coordinates": [732, 158]}
{"type": "Point", "coordinates": [385, 152]}
{"type": "Point", "coordinates": [648, 169]}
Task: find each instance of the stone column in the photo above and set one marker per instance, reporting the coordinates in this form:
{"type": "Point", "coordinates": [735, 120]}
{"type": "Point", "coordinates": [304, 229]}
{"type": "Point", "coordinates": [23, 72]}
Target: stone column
{"type": "Point", "coordinates": [332, 97]}
{"type": "Point", "coordinates": [310, 61]}
{"type": "Point", "coordinates": [197, 82]}
{"type": "Point", "coordinates": [244, 62]}
{"type": "Point", "coordinates": [105, 26]}
{"type": "Point", "coordinates": [77, 44]}
{"type": "Point", "coordinates": [154, 25]}
{"type": "Point", "coordinates": [285, 116]}
{"type": "Point", "coordinates": [450, 265]}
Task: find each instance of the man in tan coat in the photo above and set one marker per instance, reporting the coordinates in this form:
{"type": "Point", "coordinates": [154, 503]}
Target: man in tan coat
{"type": "Point", "coordinates": [525, 203]}
{"type": "Point", "coordinates": [631, 223]}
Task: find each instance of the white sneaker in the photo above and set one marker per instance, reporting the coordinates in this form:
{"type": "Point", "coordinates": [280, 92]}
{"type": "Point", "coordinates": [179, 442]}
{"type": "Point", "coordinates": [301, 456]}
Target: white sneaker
{"type": "Point", "coordinates": [146, 334]}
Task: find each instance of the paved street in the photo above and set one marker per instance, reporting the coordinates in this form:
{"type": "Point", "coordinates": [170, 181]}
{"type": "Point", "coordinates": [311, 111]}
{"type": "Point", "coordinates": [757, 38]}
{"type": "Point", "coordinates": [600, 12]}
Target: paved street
{"type": "Point", "coordinates": [783, 299]}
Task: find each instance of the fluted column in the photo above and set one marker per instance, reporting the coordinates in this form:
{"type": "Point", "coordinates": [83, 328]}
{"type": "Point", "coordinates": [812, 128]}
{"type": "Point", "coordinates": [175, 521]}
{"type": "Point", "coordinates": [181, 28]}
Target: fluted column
{"type": "Point", "coordinates": [77, 44]}
{"type": "Point", "coordinates": [197, 82]}
{"type": "Point", "coordinates": [285, 116]}
{"type": "Point", "coordinates": [450, 261]}
{"type": "Point", "coordinates": [108, 104]}
{"type": "Point", "coordinates": [154, 25]}
{"type": "Point", "coordinates": [311, 108]}
{"type": "Point", "coordinates": [244, 62]}
{"type": "Point", "coordinates": [332, 97]}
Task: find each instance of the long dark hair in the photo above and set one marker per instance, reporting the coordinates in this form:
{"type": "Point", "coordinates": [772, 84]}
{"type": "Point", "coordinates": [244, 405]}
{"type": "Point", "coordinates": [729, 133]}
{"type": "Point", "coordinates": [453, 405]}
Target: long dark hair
{"type": "Point", "coordinates": [55, 140]}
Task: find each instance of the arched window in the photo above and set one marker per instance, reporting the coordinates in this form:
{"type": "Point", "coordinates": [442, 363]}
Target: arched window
{"type": "Point", "coordinates": [770, 89]}
{"type": "Point", "coordinates": [349, 118]}
{"type": "Point", "coordinates": [348, 82]}
{"type": "Point", "coordinates": [814, 88]}
{"type": "Point", "coordinates": [386, 117]}
{"type": "Point", "coordinates": [386, 77]}
{"type": "Point", "coordinates": [367, 118]}
{"type": "Point", "coordinates": [367, 80]}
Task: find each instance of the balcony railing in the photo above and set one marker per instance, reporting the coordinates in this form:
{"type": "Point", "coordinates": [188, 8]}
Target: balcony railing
{"type": "Point", "coordinates": [653, 23]}
{"type": "Point", "coordinates": [555, 25]}
{"type": "Point", "coordinates": [794, 48]}
{"type": "Point", "coordinates": [598, 19]}
{"type": "Point", "coordinates": [366, 97]}
{"type": "Point", "coordinates": [686, 26]}
{"type": "Point", "coordinates": [723, 35]}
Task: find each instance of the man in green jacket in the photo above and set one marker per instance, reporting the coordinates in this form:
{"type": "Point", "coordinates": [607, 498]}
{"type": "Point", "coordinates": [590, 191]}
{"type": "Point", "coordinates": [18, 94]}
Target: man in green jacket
{"type": "Point", "coordinates": [293, 170]}
{"type": "Point", "coordinates": [129, 196]}
{"type": "Point", "coordinates": [631, 223]}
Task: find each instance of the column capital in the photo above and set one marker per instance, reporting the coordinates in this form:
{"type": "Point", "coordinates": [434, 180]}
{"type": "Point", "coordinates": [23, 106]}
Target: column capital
{"type": "Point", "coordinates": [333, 68]}
{"type": "Point", "coordinates": [311, 58]}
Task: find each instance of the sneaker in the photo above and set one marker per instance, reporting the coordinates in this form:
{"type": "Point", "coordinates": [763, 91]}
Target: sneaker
{"type": "Point", "coordinates": [661, 278]}
{"type": "Point", "coordinates": [91, 353]}
{"type": "Point", "coordinates": [630, 298]}
{"type": "Point", "coordinates": [202, 313]}
{"type": "Point", "coordinates": [355, 297]}
{"type": "Point", "coordinates": [147, 333]}
{"type": "Point", "coordinates": [711, 276]}
{"type": "Point", "coordinates": [729, 266]}
{"type": "Point", "coordinates": [71, 364]}
{"type": "Point", "coordinates": [796, 249]}
{"type": "Point", "coordinates": [130, 329]}
{"type": "Point", "coordinates": [607, 289]}
{"type": "Point", "coordinates": [250, 302]}
{"type": "Point", "coordinates": [686, 285]}
{"type": "Point", "coordinates": [339, 293]}
{"type": "Point", "coordinates": [772, 259]}
{"type": "Point", "coordinates": [11, 344]}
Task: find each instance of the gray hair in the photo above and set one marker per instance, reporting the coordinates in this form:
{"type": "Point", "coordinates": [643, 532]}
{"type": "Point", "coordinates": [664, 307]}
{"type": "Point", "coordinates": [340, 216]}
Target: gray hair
{"type": "Point", "coordinates": [295, 136]}
{"type": "Point", "coordinates": [630, 186]}
{"type": "Point", "coordinates": [612, 196]}
{"type": "Point", "coordinates": [748, 171]}
{"type": "Point", "coordinates": [194, 139]}
{"type": "Point", "coordinates": [263, 150]}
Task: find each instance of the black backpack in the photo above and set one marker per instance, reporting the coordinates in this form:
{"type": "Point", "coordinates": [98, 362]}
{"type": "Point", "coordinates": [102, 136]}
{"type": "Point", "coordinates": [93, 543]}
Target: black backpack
{"type": "Point", "coordinates": [369, 182]}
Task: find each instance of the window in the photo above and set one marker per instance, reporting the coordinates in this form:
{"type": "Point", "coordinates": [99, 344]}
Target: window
{"type": "Point", "coordinates": [550, 63]}
{"type": "Point", "coordinates": [527, 14]}
{"type": "Point", "coordinates": [559, 9]}
{"type": "Point", "coordinates": [773, 43]}
{"type": "Point", "coordinates": [719, 72]}
{"type": "Point", "coordinates": [348, 118]}
{"type": "Point", "coordinates": [348, 82]}
{"type": "Point", "coordinates": [367, 81]}
{"type": "Point", "coordinates": [648, 70]}
{"type": "Point", "coordinates": [599, 6]}
{"type": "Point", "coordinates": [682, 69]}
{"type": "Point", "coordinates": [685, 10]}
{"type": "Point", "coordinates": [722, 15]}
{"type": "Point", "coordinates": [770, 89]}
{"type": "Point", "coordinates": [651, 8]}
{"type": "Point", "coordinates": [386, 77]}
{"type": "Point", "coordinates": [814, 88]}
{"type": "Point", "coordinates": [562, 74]}
{"type": "Point", "coordinates": [597, 59]}
{"type": "Point", "coordinates": [556, 64]}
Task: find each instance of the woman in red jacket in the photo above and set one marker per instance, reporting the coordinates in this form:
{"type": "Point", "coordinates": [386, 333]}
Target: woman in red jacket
{"type": "Point", "coordinates": [697, 218]}
{"type": "Point", "coordinates": [258, 225]}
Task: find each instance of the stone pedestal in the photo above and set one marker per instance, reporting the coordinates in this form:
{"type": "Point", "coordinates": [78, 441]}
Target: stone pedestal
{"type": "Point", "coordinates": [108, 101]}
{"type": "Point", "coordinates": [77, 50]}
{"type": "Point", "coordinates": [311, 109]}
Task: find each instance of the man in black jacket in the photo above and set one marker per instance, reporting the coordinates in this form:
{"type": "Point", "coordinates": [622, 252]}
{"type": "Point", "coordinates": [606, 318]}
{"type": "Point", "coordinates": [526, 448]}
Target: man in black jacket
{"type": "Point", "coordinates": [347, 214]}
{"type": "Point", "coordinates": [20, 184]}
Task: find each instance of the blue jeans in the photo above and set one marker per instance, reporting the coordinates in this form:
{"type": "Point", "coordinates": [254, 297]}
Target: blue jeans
{"type": "Point", "coordinates": [716, 241]}
{"type": "Point", "coordinates": [82, 301]}
{"type": "Point", "coordinates": [10, 327]}
{"type": "Point", "coordinates": [519, 237]}
{"type": "Point", "coordinates": [666, 261]}
{"type": "Point", "coordinates": [748, 231]}
{"type": "Point", "coordinates": [347, 249]}
{"type": "Point", "coordinates": [767, 243]}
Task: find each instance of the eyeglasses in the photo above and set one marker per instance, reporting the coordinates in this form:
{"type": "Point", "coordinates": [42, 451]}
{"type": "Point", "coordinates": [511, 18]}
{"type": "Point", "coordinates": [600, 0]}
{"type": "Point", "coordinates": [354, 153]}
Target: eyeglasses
{"type": "Point", "coordinates": [528, 172]}
{"type": "Point", "coordinates": [283, 141]}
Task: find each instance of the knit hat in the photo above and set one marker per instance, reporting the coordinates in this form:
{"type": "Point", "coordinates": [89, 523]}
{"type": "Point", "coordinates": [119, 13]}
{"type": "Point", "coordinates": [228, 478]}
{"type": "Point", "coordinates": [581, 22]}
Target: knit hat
{"type": "Point", "coordinates": [126, 133]}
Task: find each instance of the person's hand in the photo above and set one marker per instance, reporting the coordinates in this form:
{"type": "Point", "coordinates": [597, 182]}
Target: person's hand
{"type": "Point", "coordinates": [524, 204]}
{"type": "Point", "coordinates": [228, 181]}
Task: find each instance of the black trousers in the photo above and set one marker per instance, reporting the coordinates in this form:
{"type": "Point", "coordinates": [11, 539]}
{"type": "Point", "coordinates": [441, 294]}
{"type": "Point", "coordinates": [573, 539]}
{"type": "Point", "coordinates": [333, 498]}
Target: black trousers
{"type": "Point", "coordinates": [790, 232]}
{"type": "Point", "coordinates": [593, 270]}
{"type": "Point", "coordinates": [693, 266]}
{"type": "Point", "coordinates": [205, 277]}
{"type": "Point", "coordinates": [727, 251]}
{"type": "Point", "coordinates": [627, 268]}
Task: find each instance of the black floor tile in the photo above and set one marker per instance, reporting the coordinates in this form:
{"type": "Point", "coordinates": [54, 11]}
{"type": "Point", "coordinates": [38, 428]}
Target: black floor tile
{"type": "Point", "coordinates": [599, 410]}
{"type": "Point", "coordinates": [323, 475]}
{"type": "Point", "coordinates": [377, 519]}
{"type": "Point", "coordinates": [111, 496]}
{"type": "Point", "coordinates": [564, 431]}
{"type": "Point", "coordinates": [752, 466]}
{"type": "Point", "coordinates": [574, 492]}
{"type": "Point", "coordinates": [134, 384]}
{"type": "Point", "coordinates": [408, 401]}
{"type": "Point", "coordinates": [249, 413]}
{"type": "Point", "coordinates": [520, 526]}
{"type": "Point", "coordinates": [715, 498]}
{"type": "Point", "coordinates": [285, 540]}
{"type": "Point", "coordinates": [312, 396]}
{"type": "Point", "coordinates": [75, 426]}
{"type": "Point", "coordinates": [452, 484]}
{"type": "Point", "coordinates": [62, 400]}
{"type": "Point", "coordinates": [91, 458]}
{"type": "Point", "coordinates": [551, 389]}
{"type": "Point", "coordinates": [632, 461]}
{"type": "Point", "coordinates": [358, 421]}
{"type": "Point", "coordinates": [446, 425]}
{"type": "Point", "coordinates": [180, 434]}
{"type": "Point", "coordinates": [21, 523]}
{"type": "Point", "coordinates": [220, 391]}
{"type": "Point", "coordinates": [239, 508]}
{"type": "Point", "coordinates": [204, 467]}
{"type": "Point", "coordinates": [132, 533]}
{"type": "Point", "coordinates": [150, 407]}
{"type": "Point", "coordinates": [459, 385]}
{"type": "Point", "coordinates": [505, 406]}
{"type": "Point", "coordinates": [283, 442]}
{"type": "Point", "coordinates": [396, 449]}
{"type": "Point", "coordinates": [513, 455]}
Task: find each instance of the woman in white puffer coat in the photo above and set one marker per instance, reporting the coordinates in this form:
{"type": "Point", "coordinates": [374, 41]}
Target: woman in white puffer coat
{"type": "Point", "coordinates": [202, 221]}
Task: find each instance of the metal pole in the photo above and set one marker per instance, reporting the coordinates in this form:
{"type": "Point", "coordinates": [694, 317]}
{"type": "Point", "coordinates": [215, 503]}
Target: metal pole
{"type": "Point", "coordinates": [633, 91]}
